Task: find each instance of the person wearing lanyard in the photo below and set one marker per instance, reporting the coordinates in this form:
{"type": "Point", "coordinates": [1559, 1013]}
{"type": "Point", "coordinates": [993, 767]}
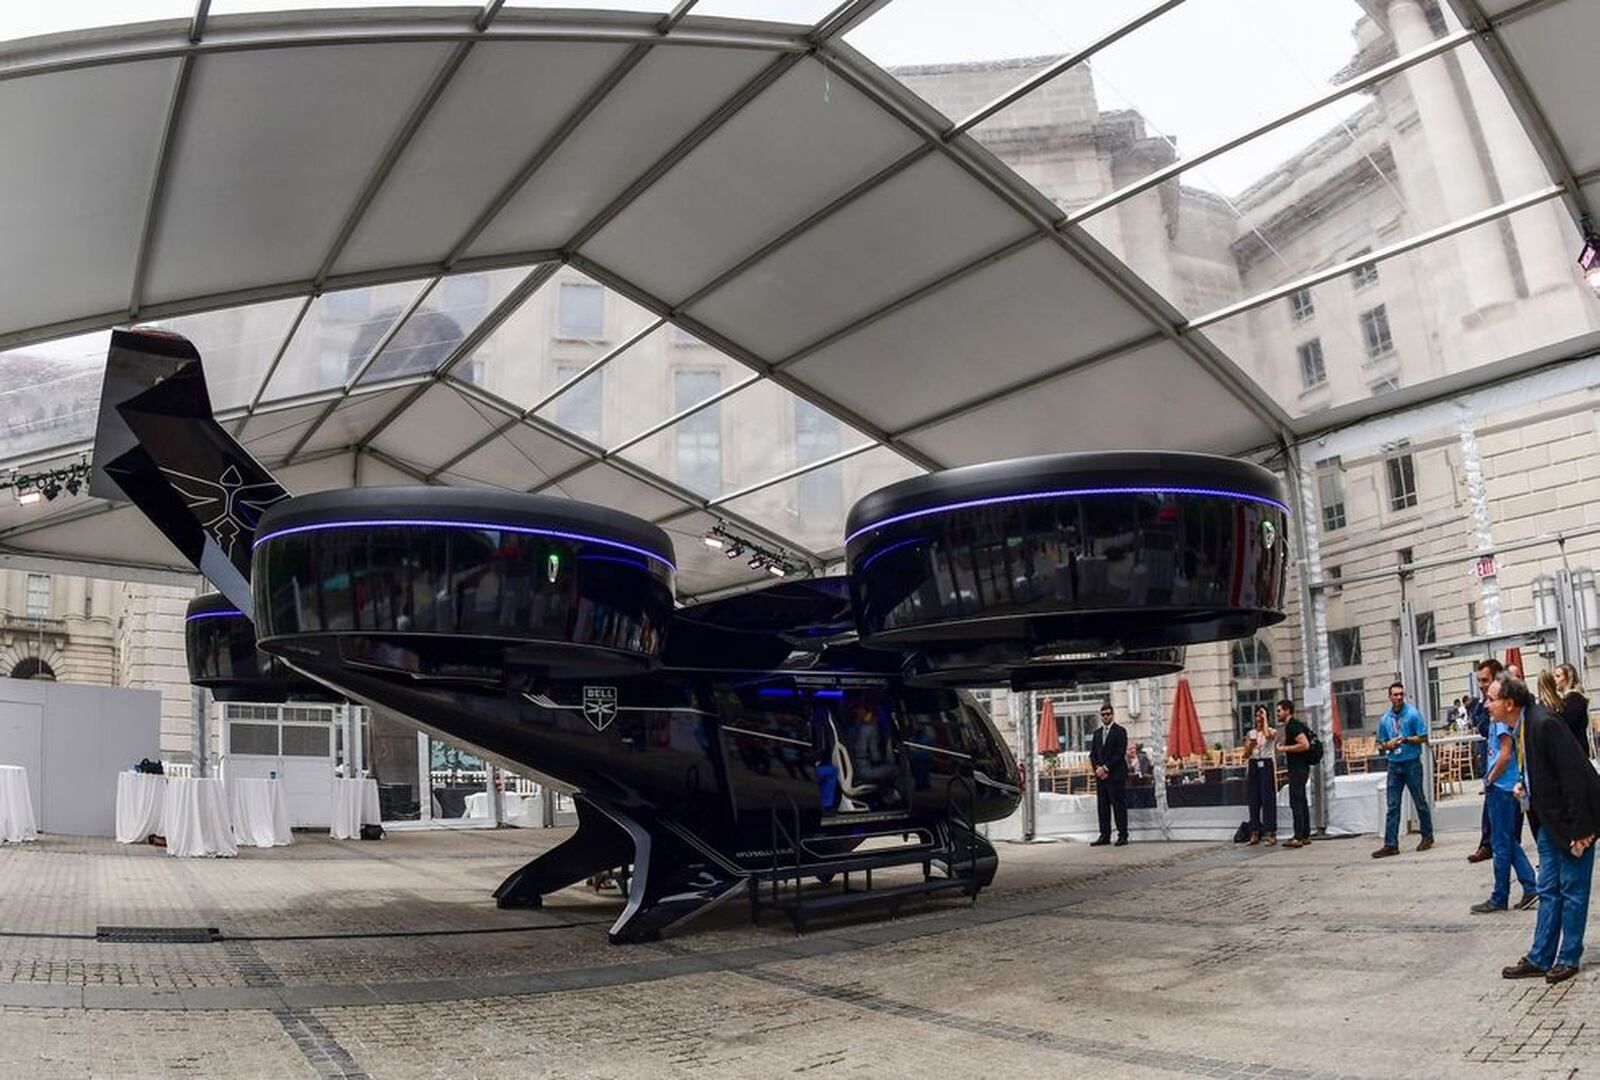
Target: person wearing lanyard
{"type": "Point", "coordinates": [1402, 733]}
{"type": "Point", "coordinates": [1562, 792]}
{"type": "Point", "coordinates": [1499, 798]}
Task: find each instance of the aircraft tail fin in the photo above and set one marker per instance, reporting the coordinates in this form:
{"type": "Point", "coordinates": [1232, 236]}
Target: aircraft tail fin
{"type": "Point", "coordinates": [158, 445]}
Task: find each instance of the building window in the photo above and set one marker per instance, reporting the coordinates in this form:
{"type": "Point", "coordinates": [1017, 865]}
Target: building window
{"type": "Point", "coordinates": [1301, 306]}
{"type": "Point", "coordinates": [1375, 332]}
{"type": "Point", "coordinates": [1407, 556]}
{"type": "Point", "coordinates": [1330, 492]}
{"type": "Point", "coordinates": [1349, 697]}
{"type": "Point", "coordinates": [578, 410]}
{"type": "Point", "coordinates": [821, 491]}
{"type": "Point", "coordinates": [1312, 371]}
{"type": "Point", "coordinates": [1245, 702]}
{"type": "Point", "coordinates": [1425, 631]}
{"type": "Point", "coordinates": [580, 311]}
{"type": "Point", "coordinates": [31, 667]}
{"type": "Point", "coordinates": [699, 437]}
{"type": "Point", "coordinates": [1344, 647]}
{"type": "Point", "coordinates": [38, 597]}
{"type": "Point", "coordinates": [1251, 659]}
{"type": "Point", "coordinates": [1402, 472]}
{"type": "Point", "coordinates": [1386, 386]}
{"type": "Point", "coordinates": [1365, 274]}
{"type": "Point", "coordinates": [1334, 574]}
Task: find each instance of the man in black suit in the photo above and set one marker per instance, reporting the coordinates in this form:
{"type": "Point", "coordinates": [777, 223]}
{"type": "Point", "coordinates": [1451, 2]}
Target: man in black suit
{"type": "Point", "coordinates": [1562, 792]}
{"type": "Point", "coordinates": [1108, 753]}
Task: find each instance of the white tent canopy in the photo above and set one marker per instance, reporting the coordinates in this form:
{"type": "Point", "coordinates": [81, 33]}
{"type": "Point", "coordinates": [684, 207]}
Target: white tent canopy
{"type": "Point", "coordinates": [763, 192]}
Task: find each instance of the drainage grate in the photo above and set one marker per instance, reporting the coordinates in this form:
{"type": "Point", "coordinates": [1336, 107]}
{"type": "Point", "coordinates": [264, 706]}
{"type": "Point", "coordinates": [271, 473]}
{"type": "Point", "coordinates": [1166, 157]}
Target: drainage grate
{"type": "Point", "coordinates": [158, 935]}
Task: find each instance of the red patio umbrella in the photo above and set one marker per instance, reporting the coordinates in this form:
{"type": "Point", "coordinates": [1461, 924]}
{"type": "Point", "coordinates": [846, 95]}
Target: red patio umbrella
{"type": "Point", "coordinates": [1184, 737]}
{"type": "Point", "coordinates": [1514, 659]}
{"type": "Point", "coordinates": [1049, 733]}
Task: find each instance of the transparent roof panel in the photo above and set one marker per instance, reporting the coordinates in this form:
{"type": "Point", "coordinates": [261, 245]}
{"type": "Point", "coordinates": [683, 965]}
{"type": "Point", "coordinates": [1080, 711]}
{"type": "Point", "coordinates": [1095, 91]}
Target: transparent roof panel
{"type": "Point", "coordinates": [1204, 72]}
{"type": "Point", "coordinates": [570, 323]}
{"type": "Point", "coordinates": [998, 47]}
{"type": "Point", "coordinates": [810, 509]}
{"type": "Point", "coordinates": [1494, 291]}
{"type": "Point", "coordinates": [50, 393]}
{"type": "Point", "coordinates": [754, 435]}
{"type": "Point", "coordinates": [1416, 155]}
{"type": "Point", "coordinates": [235, 7]}
{"type": "Point", "coordinates": [663, 374]}
{"type": "Point", "coordinates": [236, 345]}
{"type": "Point", "coordinates": [803, 12]}
{"type": "Point", "coordinates": [23, 20]}
{"type": "Point", "coordinates": [452, 309]}
{"type": "Point", "coordinates": [338, 334]}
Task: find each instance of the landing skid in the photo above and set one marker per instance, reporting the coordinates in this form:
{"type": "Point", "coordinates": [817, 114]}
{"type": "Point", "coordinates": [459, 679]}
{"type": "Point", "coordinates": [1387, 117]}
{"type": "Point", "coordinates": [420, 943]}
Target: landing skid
{"type": "Point", "coordinates": [673, 878]}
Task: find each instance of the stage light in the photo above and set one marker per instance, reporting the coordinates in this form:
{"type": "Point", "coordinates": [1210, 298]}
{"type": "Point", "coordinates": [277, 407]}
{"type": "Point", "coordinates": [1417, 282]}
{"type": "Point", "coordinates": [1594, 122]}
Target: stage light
{"type": "Point", "coordinates": [28, 498]}
{"type": "Point", "coordinates": [1589, 258]}
{"type": "Point", "coordinates": [712, 542]}
{"type": "Point", "coordinates": [756, 562]}
{"type": "Point", "coordinates": [73, 484]}
{"type": "Point", "coordinates": [776, 571]}
{"type": "Point", "coordinates": [51, 487]}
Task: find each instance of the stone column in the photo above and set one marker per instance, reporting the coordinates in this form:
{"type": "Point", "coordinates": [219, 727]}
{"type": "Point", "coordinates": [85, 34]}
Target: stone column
{"type": "Point", "coordinates": [1462, 184]}
{"type": "Point", "coordinates": [1547, 254]}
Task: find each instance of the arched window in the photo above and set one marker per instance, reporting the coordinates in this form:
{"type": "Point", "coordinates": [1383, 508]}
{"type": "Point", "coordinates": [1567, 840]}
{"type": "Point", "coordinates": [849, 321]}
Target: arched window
{"type": "Point", "coordinates": [31, 667]}
{"type": "Point", "coordinates": [1251, 659]}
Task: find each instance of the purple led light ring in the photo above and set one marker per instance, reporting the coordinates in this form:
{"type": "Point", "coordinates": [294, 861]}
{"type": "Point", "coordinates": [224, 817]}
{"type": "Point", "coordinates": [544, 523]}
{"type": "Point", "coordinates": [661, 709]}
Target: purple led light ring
{"type": "Point", "coordinates": [525, 530]}
{"type": "Point", "coordinates": [1064, 493]}
{"type": "Point", "coordinates": [214, 615]}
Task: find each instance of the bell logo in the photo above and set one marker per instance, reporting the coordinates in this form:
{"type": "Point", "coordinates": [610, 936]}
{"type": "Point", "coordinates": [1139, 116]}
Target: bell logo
{"type": "Point", "coordinates": [600, 705]}
{"type": "Point", "coordinates": [1269, 535]}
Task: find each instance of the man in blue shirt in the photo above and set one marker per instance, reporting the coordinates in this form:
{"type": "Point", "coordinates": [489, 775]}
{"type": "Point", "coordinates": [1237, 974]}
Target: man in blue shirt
{"type": "Point", "coordinates": [1500, 800]}
{"type": "Point", "coordinates": [1402, 733]}
{"type": "Point", "coordinates": [1487, 671]}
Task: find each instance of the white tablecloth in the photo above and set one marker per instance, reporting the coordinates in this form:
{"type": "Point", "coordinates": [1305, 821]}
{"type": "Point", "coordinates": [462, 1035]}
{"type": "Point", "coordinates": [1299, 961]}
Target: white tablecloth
{"type": "Point", "coordinates": [16, 806]}
{"type": "Point", "coordinates": [195, 816]}
{"type": "Point", "coordinates": [515, 809]}
{"type": "Point", "coordinates": [140, 800]}
{"type": "Point", "coordinates": [355, 803]}
{"type": "Point", "coordinates": [260, 816]}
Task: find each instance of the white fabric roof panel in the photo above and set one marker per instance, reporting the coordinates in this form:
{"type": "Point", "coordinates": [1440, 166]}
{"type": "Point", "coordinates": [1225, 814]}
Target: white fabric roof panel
{"type": "Point", "coordinates": [353, 418]}
{"type": "Point", "coordinates": [1104, 406]}
{"type": "Point", "coordinates": [273, 150]}
{"type": "Point", "coordinates": [519, 459]}
{"type": "Point", "coordinates": [664, 98]}
{"type": "Point", "coordinates": [741, 187]}
{"type": "Point", "coordinates": [269, 436]}
{"type": "Point", "coordinates": [608, 486]}
{"type": "Point", "coordinates": [1036, 309]}
{"type": "Point", "coordinates": [80, 149]}
{"type": "Point", "coordinates": [1554, 47]}
{"type": "Point", "coordinates": [506, 100]}
{"type": "Point", "coordinates": [910, 230]}
{"type": "Point", "coordinates": [438, 423]}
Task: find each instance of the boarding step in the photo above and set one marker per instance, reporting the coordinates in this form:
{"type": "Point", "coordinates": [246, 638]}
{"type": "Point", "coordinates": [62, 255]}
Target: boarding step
{"type": "Point", "coordinates": [804, 909]}
{"type": "Point", "coordinates": [850, 864]}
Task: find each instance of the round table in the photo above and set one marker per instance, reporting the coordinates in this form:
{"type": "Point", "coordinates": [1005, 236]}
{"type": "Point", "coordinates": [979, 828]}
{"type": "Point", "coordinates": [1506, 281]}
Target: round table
{"type": "Point", "coordinates": [355, 803]}
{"type": "Point", "coordinates": [260, 815]}
{"type": "Point", "coordinates": [141, 797]}
{"type": "Point", "coordinates": [195, 816]}
{"type": "Point", "coordinates": [16, 806]}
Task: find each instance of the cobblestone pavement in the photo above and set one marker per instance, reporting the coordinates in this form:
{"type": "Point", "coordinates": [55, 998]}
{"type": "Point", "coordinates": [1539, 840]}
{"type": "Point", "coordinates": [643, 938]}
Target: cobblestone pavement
{"type": "Point", "coordinates": [390, 960]}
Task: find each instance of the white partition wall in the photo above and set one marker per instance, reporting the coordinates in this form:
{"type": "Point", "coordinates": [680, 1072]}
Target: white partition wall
{"type": "Point", "coordinates": [73, 740]}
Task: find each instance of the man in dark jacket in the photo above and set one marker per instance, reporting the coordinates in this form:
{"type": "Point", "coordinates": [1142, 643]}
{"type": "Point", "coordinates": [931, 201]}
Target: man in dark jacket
{"type": "Point", "coordinates": [1562, 791]}
{"type": "Point", "coordinates": [1108, 754]}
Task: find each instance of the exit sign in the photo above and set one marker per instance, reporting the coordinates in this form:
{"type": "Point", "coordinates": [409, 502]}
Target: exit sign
{"type": "Point", "coordinates": [1485, 567]}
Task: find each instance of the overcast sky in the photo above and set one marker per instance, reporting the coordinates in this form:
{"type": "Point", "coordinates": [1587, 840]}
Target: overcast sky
{"type": "Point", "coordinates": [1199, 74]}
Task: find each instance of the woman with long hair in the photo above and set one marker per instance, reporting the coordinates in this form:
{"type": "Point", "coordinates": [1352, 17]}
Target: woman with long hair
{"type": "Point", "coordinates": [1261, 782]}
{"type": "Point", "coordinates": [1574, 705]}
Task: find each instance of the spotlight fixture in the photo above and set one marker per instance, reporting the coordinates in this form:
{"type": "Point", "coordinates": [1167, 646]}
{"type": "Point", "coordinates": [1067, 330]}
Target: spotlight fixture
{"type": "Point", "coordinates": [1589, 257]}
{"type": "Point", "coordinates": [734, 546]}
{"type": "Point", "coordinates": [31, 488]}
